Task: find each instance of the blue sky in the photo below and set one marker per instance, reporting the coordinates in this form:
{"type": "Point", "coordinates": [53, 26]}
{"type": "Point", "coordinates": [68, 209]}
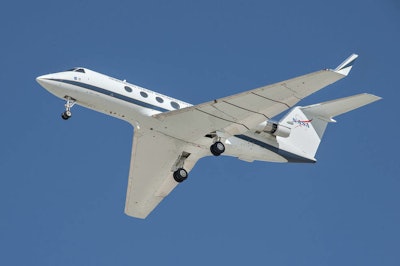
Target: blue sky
{"type": "Point", "coordinates": [63, 184]}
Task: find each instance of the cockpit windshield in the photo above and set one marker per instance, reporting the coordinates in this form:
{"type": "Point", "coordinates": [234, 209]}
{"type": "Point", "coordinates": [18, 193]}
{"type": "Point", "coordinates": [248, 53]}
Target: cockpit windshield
{"type": "Point", "coordinates": [77, 69]}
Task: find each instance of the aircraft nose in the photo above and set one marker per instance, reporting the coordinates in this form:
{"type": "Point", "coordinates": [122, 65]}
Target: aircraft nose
{"type": "Point", "coordinates": [43, 80]}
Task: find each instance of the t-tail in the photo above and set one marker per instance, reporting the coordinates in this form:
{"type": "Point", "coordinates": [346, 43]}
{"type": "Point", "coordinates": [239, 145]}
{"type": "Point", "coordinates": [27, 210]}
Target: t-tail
{"type": "Point", "coordinates": [308, 123]}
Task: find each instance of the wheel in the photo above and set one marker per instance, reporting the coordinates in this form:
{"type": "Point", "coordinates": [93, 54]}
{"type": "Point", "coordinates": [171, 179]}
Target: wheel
{"type": "Point", "coordinates": [217, 148]}
{"type": "Point", "coordinates": [180, 175]}
{"type": "Point", "coordinates": [65, 115]}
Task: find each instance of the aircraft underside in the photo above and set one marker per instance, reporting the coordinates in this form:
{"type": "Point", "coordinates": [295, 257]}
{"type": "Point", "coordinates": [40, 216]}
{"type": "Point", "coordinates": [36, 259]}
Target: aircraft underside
{"type": "Point", "coordinates": [170, 136]}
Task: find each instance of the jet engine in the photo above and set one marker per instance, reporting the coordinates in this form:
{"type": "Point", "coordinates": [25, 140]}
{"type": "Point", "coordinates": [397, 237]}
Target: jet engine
{"type": "Point", "coordinates": [274, 128]}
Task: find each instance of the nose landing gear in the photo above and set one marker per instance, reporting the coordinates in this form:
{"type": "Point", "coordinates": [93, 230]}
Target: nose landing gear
{"type": "Point", "coordinates": [66, 115]}
{"type": "Point", "coordinates": [68, 105]}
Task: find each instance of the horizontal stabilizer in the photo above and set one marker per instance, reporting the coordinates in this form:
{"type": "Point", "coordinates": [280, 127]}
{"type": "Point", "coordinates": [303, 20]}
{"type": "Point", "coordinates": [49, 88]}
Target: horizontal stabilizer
{"type": "Point", "coordinates": [345, 67]}
{"type": "Point", "coordinates": [309, 122]}
{"type": "Point", "coordinates": [327, 110]}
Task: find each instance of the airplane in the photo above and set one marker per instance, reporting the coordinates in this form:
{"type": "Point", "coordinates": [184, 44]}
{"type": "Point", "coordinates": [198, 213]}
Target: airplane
{"type": "Point", "coordinates": [170, 135]}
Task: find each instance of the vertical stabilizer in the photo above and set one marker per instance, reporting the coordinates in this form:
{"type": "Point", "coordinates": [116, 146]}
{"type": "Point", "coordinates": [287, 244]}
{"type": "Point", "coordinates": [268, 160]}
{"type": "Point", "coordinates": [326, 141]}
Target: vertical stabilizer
{"type": "Point", "coordinates": [305, 135]}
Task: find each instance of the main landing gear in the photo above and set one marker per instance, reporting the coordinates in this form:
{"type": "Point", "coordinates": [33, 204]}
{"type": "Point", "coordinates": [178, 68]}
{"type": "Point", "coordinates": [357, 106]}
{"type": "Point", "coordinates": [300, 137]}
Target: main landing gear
{"type": "Point", "coordinates": [180, 174]}
{"type": "Point", "coordinates": [217, 148]}
{"type": "Point", "coordinates": [68, 105]}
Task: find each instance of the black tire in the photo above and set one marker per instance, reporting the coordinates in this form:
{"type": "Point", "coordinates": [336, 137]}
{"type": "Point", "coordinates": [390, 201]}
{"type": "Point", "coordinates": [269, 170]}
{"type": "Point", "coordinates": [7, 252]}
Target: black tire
{"type": "Point", "coordinates": [217, 148]}
{"type": "Point", "coordinates": [180, 175]}
{"type": "Point", "coordinates": [66, 115]}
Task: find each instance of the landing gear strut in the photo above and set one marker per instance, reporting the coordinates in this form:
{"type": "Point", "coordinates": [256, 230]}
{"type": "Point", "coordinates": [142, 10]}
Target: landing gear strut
{"type": "Point", "coordinates": [68, 105]}
{"type": "Point", "coordinates": [217, 148]}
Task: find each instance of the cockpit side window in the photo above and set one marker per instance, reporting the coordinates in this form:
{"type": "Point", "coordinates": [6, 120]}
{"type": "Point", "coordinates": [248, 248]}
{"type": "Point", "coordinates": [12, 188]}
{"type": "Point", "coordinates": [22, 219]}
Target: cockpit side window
{"type": "Point", "coordinates": [76, 69]}
{"type": "Point", "coordinates": [80, 70]}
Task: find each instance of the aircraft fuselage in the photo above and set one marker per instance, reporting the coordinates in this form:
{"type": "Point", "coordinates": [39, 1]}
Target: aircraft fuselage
{"type": "Point", "coordinates": [138, 105]}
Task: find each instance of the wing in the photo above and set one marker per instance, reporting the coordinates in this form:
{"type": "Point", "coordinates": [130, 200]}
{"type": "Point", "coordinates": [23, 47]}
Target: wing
{"type": "Point", "coordinates": [239, 113]}
{"type": "Point", "coordinates": [156, 152]}
{"type": "Point", "coordinates": [153, 159]}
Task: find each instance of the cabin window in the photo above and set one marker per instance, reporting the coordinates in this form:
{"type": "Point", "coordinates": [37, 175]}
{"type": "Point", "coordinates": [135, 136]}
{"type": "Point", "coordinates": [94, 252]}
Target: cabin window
{"type": "Point", "coordinates": [144, 95]}
{"type": "Point", "coordinates": [159, 99]}
{"type": "Point", "coordinates": [175, 105]}
{"type": "Point", "coordinates": [128, 89]}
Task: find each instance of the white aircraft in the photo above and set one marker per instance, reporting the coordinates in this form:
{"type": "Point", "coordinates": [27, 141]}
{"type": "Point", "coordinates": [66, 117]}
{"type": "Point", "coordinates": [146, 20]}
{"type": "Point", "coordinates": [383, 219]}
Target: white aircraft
{"type": "Point", "coordinates": [171, 136]}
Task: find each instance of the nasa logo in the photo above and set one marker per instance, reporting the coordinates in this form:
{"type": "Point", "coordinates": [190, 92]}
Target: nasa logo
{"type": "Point", "coordinates": [301, 123]}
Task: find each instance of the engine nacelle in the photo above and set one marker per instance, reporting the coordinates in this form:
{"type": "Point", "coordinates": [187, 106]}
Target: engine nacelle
{"type": "Point", "coordinates": [274, 128]}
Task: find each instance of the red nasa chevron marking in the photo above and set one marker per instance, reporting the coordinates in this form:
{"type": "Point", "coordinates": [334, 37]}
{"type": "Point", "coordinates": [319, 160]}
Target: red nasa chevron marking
{"type": "Point", "coordinates": [301, 123]}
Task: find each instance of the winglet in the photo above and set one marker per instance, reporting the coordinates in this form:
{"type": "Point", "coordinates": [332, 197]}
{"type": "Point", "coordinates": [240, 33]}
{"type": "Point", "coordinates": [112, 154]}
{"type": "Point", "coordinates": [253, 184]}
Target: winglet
{"type": "Point", "coordinates": [345, 67]}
